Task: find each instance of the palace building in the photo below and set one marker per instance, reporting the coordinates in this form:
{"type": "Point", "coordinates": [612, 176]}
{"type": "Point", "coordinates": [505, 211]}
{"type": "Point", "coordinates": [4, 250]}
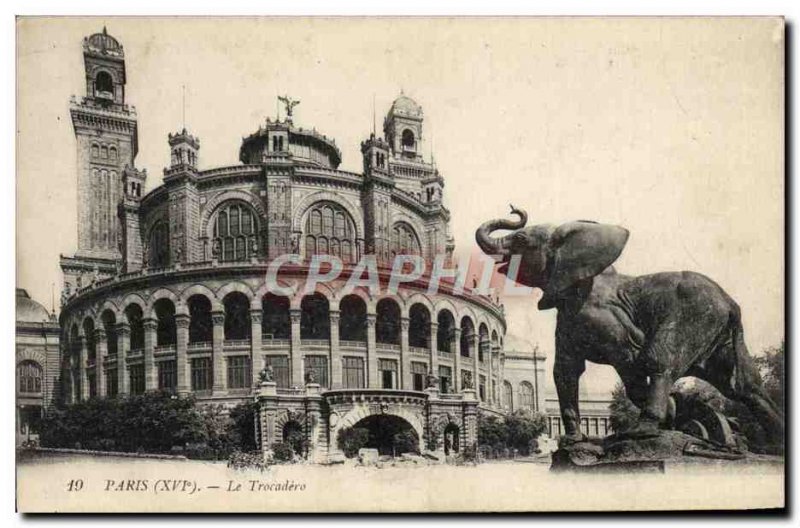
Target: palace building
{"type": "Point", "coordinates": [167, 288]}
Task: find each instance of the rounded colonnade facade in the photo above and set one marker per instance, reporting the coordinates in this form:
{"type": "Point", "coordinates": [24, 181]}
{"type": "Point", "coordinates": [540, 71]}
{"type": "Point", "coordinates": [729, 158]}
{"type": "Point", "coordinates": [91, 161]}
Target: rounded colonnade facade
{"type": "Point", "coordinates": [213, 337]}
{"type": "Point", "coordinates": [167, 290]}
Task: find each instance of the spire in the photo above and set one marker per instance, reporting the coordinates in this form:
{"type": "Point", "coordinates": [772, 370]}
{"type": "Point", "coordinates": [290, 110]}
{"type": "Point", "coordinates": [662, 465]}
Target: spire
{"type": "Point", "coordinates": [183, 88]}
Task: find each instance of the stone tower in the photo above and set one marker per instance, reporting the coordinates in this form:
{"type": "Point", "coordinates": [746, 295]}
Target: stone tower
{"type": "Point", "coordinates": [107, 142]}
{"type": "Point", "coordinates": [106, 134]}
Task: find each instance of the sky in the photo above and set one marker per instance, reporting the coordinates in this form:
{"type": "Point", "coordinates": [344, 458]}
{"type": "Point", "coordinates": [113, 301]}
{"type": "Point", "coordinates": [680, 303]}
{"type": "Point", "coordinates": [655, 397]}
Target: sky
{"type": "Point", "coordinates": [672, 128]}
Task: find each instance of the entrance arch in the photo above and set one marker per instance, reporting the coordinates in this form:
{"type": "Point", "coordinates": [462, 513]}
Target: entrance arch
{"type": "Point", "coordinates": [413, 414]}
{"type": "Point", "coordinates": [390, 434]}
{"type": "Point", "coordinates": [451, 439]}
{"type": "Point", "coordinates": [294, 435]}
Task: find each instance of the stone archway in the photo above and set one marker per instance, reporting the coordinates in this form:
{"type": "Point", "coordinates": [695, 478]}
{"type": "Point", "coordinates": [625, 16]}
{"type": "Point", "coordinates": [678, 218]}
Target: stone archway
{"type": "Point", "coordinates": [411, 415]}
{"type": "Point", "coordinates": [451, 438]}
{"type": "Point", "coordinates": [390, 434]}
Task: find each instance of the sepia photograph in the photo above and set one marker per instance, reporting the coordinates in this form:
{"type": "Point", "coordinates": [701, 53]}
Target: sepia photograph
{"type": "Point", "coordinates": [400, 264]}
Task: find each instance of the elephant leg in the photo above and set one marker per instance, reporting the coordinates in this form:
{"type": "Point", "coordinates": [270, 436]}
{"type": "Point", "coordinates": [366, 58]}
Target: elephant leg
{"type": "Point", "coordinates": [654, 412]}
{"type": "Point", "coordinates": [636, 388]}
{"type": "Point", "coordinates": [731, 371]}
{"type": "Point", "coordinates": [567, 373]}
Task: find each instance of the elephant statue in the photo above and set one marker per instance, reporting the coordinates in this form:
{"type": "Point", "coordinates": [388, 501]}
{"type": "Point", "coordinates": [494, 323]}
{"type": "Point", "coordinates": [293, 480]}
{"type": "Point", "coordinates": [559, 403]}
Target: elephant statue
{"type": "Point", "coordinates": [652, 329]}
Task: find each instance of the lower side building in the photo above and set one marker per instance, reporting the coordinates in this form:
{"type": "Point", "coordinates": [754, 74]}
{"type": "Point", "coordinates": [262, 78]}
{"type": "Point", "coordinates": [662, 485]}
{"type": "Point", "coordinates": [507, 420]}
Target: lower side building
{"type": "Point", "coordinates": [37, 364]}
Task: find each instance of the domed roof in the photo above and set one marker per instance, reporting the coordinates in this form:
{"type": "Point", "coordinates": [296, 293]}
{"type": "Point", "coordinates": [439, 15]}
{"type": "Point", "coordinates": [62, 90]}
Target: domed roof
{"type": "Point", "coordinates": [30, 311]}
{"type": "Point", "coordinates": [103, 43]}
{"type": "Point", "coordinates": [406, 106]}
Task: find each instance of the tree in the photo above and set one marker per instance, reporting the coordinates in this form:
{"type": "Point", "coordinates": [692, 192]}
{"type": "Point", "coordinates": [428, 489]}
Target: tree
{"type": "Point", "coordinates": [771, 368]}
{"type": "Point", "coordinates": [351, 439]}
{"type": "Point", "coordinates": [243, 431]}
{"type": "Point", "coordinates": [624, 414]}
{"type": "Point", "coordinates": [492, 434]}
{"type": "Point", "coordinates": [517, 430]}
{"type": "Point", "coordinates": [523, 429]}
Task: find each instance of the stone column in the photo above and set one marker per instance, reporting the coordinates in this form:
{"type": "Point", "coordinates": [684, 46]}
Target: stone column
{"type": "Point", "coordinates": [256, 357]}
{"type": "Point", "coordinates": [490, 379]}
{"type": "Point", "coordinates": [82, 359]}
{"type": "Point", "coordinates": [405, 381]}
{"type": "Point", "coordinates": [455, 349]}
{"type": "Point", "coordinates": [123, 347]}
{"type": "Point", "coordinates": [473, 351]}
{"type": "Point", "coordinates": [150, 327]}
{"type": "Point", "coordinates": [101, 350]}
{"type": "Point", "coordinates": [296, 349]}
{"type": "Point", "coordinates": [498, 387]}
{"type": "Point", "coordinates": [501, 374]}
{"type": "Point", "coordinates": [217, 337]}
{"type": "Point", "coordinates": [335, 379]}
{"type": "Point", "coordinates": [372, 354]}
{"type": "Point", "coordinates": [433, 346]}
{"type": "Point", "coordinates": [181, 358]}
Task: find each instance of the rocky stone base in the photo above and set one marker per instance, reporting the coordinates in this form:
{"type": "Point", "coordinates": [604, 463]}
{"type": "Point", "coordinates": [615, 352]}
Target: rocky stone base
{"type": "Point", "coordinates": [621, 453]}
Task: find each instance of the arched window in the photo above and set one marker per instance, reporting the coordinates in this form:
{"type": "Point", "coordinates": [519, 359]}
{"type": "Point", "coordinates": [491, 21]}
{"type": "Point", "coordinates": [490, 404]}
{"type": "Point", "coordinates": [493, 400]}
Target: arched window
{"type": "Point", "coordinates": [408, 138]}
{"type": "Point", "coordinates": [508, 396]}
{"type": "Point", "coordinates": [200, 325]}
{"type": "Point", "coordinates": [29, 377]}
{"type": "Point", "coordinates": [387, 322]}
{"type": "Point", "coordinates": [104, 83]}
{"type": "Point", "coordinates": [88, 336]}
{"type": "Point", "coordinates": [315, 320]}
{"type": "Point", "coordinates": [419, 331]}
{"type": "Point", "coordinates": [404, 240]}
{"type": "Point", "coordinates": [275, 323]}
{"type": "Point", "coordinates": [112, 153]}
{"type": "Point", "coordinates": [133, 313]}
{"type": "Point", "coordinates": [95, 150]}
{"type": "Point", "coordinates": [330, 229]}
{"type": "Point", "coordinates": [166, 331]}
{"type": "Point", "coordinates": [352, 319]}
{"type": "Point", "coordinates": [235, 232]}
{"type": "Point", "coordinates": [525, 396]}
{"type": "Point", "coordinates": [110, 326]}
{"type": "Point", "coordinates": [467, 337]}
{"type": "Point", "coordinates": [484, 347]}
{"type": "Point", "coordinates": [159, 245]}
{"type": "Point", "coordinates": [237, 316]}
{"type": "Point", "coordinates": [445, 334]}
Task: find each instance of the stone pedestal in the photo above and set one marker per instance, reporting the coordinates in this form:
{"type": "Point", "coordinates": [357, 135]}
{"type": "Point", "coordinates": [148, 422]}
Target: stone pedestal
{"type": "Point", "coordinates": [313, 389]}
{"type": "Point", "coordinates": [469, 395]}
{"type": "Point", "coordinates": [268, 388]}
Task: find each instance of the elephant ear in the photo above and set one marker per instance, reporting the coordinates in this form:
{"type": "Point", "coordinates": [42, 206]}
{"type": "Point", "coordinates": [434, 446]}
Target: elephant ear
{"type": "Point", "coordinates": [580, 250]}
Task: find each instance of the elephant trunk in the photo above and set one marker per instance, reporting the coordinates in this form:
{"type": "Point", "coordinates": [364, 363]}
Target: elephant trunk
{"type": "Point", "coordinates": [497, 246]}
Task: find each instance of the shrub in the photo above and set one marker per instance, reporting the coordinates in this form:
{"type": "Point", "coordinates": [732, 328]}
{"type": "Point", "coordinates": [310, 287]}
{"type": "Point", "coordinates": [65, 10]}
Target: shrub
{"type": "Point", "coordinates": [624, 414]}
{"type": "Point", "coordinates": [244, 461]}
{"type": "Point", "coordinates": [243, 432]}
{"type": "Point", "coordinates": [282, 452]}
{"type": "Point", "coordinates": [151, 423]}
{"type": "Point", "coordinates": [523, 428]}
{"type": "Point", "coordinates": [515, 433]}
{"type": "Point", "coordinates": [405, 442]}
{"type": "Point", "coordinates": [351, 439]}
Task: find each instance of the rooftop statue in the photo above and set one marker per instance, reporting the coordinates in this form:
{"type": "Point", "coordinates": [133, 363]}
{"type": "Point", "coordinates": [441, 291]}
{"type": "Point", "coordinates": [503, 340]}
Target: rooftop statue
{"type": "Point", "coordinates": [653, 329]}
{"type": "Point", "coordinates": [289, 103]}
